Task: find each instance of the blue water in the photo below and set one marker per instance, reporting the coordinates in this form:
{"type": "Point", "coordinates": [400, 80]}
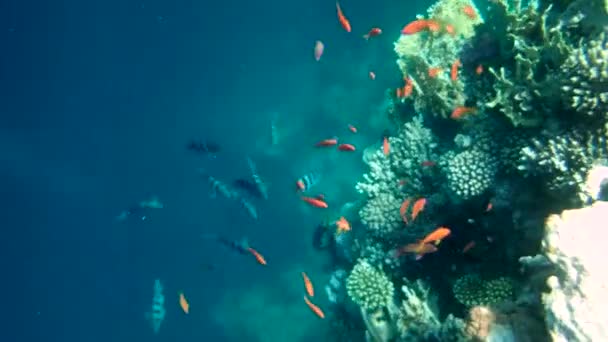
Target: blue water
{"type": "Point", "coordinates": [98, 99]}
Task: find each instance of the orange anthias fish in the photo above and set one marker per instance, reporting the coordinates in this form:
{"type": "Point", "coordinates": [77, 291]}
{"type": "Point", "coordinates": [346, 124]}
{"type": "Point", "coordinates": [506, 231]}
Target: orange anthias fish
{"type": "Point", "coordinates": [314, 308]}
{"type": "Point", "coordinates": [469, 11]}
{"type": "Point", "coordinates": [454, 70]}
{"type": "Point", "coordinates": [342, 225]}
{"type": "Point", "coordinates": [403, 210]}
{"type": "Point", "coordinates": [343, 21]}
{"type": "Point", "coordinates": [372, 33]}
{"type": "Point", "coordinates": [315, 202]}
{"type": "Point", "coordinates": [346, 147]}
{"type": "Point", "coordinates": [183, 303]}
{"type": "Point", "coordinates": [458, 112]}
{"type": "Point", "coordinates": [257, 256]}
{"type": "Point", "coordinates": [419, 25]}
{"type": "Point", "coordinates": [479, 69]}
{"type": "Point", "coordinates": [352, 128]}
{"type": "Point", "coordinates": [308, 285]}
{"type": "Point", "coordinates": [386, 147]}
{"type": "Point", "coordinates": [433, 26]}
{"type": "Point", "coordinates": [407, 89]}
{"type": "Point", "coordinates": [489, 206]}
{"type": "Point", "coordinates": [319, 48]}
{"type": "Point", "coordinates": [327, 142]}
{"type": "Point", "coordinates": [433, 72]}
{"type": "Point", "coordinates": [418, 207]}
{"type": "Point", "coordinates": [420, 249]}
{"type": "Point", "coordinates": [437, 235]}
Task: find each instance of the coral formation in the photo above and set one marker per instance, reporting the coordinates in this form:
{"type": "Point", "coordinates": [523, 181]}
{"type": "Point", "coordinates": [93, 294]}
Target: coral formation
{"type": "Point", "coordinates": [471, 290]}
{"type": "Point", "coordinates": [469, 173]}
{"type": "Point", "coordinates": [369, 287]}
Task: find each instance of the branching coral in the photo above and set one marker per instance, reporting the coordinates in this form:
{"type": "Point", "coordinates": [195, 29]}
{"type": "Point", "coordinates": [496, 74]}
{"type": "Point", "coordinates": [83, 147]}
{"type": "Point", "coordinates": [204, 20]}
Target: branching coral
{"type": "Point", "coordinates": [471, 290]}
{"type": "Point", "coordinates": [369, 287]}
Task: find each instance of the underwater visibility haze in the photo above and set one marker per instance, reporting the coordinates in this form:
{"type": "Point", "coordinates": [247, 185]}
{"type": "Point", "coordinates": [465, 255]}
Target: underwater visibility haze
{"type": "Point", "coordinates": [286, 171]}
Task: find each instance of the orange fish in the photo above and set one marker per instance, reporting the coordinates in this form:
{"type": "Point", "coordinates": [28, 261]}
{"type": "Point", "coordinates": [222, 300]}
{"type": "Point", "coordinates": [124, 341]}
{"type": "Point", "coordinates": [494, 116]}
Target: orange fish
{"type": "Point", "coordinates": [342, 225]}
{"type": "Point", "coordinates": [433, 26]}
{"type": "Point", "coordinates": [308, 285]}
{"type": "Point", "coordinates": [428, 163]}
{"type": "Point", "coordinates": [479, 69]}
{"type": "Point", "coordinates": [372, 33]}
{"type": "Point", "coordinates": [454, 70]}
{"type": "Point", "coordinates": [489, 207]}
{"type": "Point", "coordinates": [386, 147]}
{"type": "Point", "coordinates": [450, 30]}
{"type": "Point", "coordinates": [343, 21]}
{"type": "Point", "coordinates": [352, 128]}
{"type": "Point", "coordinates": [346, 147]}
{"type": "Point", "coordinates": [418, 207]}
{"type": "Point", "coordinates": [403, 210]}
{"type": "Point", "coordinates": [437, 235]}
{"type": "Point", "coordinates": [372, 75]}
{"type": "Point", "coordinates": [315, 202]}
{"type": "Point", "coordinates": [398, 93]}
{"type": "Point", "coordinates": [257, 256]}
{"type": "Point", "coordinates": [468, 246]}
{"type": "Point", "coordinates": [415, 26]}
{"type": "Point", "coordinates": [420, 249]}
{"type": "Point", "coordinates": [433, 72]}
{"type": "Point", "coordinates": [469, 11]}
{"type": "Point", "coordinates": [327, 142]}
{"type": "Point", "coordinates": [409, 86]}
{"type": "Point", "coordinates": [183, 303]}
{"type": "Point", "coordinates": [458, 112]}
{"type": "Point", "coordinates": [314, 308]}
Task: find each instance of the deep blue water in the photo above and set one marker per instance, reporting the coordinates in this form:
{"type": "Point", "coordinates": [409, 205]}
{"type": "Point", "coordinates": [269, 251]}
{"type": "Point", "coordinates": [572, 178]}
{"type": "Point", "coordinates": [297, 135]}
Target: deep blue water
{"type": "Point", "coordinates": [97, 102]}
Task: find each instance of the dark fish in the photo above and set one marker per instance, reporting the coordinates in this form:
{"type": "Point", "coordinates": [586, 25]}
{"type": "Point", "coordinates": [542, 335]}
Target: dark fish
{"type": "Point", "coordinates": [203, 147]}
{"type": "Point", "coordinates": [248, 186]}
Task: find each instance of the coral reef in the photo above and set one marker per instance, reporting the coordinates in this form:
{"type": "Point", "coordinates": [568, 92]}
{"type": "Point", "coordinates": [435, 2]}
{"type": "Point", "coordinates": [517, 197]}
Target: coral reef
{"type": "Point", "coordinates": [471, 290]}
{"type": "Point", "coordinates": [369, 287]}
{"type": "Point", "coordinates": [469, 173]}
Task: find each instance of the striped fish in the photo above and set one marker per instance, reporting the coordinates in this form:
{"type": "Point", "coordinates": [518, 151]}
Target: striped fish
{"type": "Point", "coordinates": [308, 181]}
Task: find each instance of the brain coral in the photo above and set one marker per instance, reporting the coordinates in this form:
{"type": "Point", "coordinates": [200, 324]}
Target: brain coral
{"type": "Point", "coordinates": [369, 287]}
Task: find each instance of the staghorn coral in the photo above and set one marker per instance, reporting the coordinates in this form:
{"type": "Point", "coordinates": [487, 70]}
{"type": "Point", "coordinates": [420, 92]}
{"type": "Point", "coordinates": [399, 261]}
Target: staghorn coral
{"type": "Point", "coordinates": [469, 173]}
{"type": "Point", "coordinates": [585, 84]}
{"type": "Point", "coordinates": [576, 304]}
{"type": "Point", "coordinates": [470, 290]}
{"type": "Point", "coordinates": [564, 161]}
{"type": "Point", "coordinates": [369, 287]}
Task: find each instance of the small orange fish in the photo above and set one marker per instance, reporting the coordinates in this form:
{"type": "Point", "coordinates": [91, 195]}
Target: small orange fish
{"type": "Point", "coordinates": [415, 26]}
{"type": "Point", "coordinates": [433, 26]}
{"type": "Point", "coordinates": [454, 70]}
{"type": "Point", "coordinates": [352, 128]}
{"type": "Point", "coordinates": [420, 249]}
{"type": "Point", "coordinates": [315, 202]}
{"type": "Point", "coordinates": [479, 69]}
{"type": "Point", "coordinates": [257, 256]}
{"type": "Point", "coordinates": [372, 33]}
{"type": "Point", "coordinates": [372, 75]}
{"type": "Point", "coordinates": [408, 88]}
{"type": "Point", "coordinates": [437, 235]}
{"type": "Point", "coordinates": [450, 30]}
{"type": "Point", "coordinates": [458, 112]}
{"type": "Point", "coordinates": [428, 163]}
{"type": "Point", "coordinates": [386, 147]}
{"type": "Point", "coordinates": [308, 285]}
{"type": "Point", "coordinates": [469, 11]}
{"type": "Point", "coordinates": [314, 308]}
{"type": "Point", "coordinates": [468, 246]}
{"type": "Point", "coordinates": [403, 209]}
{"type": "Point", "coordinates": [418, 207]}
{"type": "Point", "coordinates": [343, 21]}
{"type": "Point", "coordinates": [489, 207]}
{"type": "Point", "coordinates": [346, 147]}
{"type": "Point", "coordinates": [342, 225]}
{"type": "Point", "coordinates": [434, 71]}
{"type": "Point", "coordinates": [183, 303]}
{"type": "Point", "coordinates": [327, 142]}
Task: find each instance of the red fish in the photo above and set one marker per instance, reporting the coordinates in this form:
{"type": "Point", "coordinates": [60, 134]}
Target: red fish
{"type": "Point", "coordinates": [342, 225]}
{"type": "Point", "coordinates": [417, 25]}
{"type": "Point", "coordinates": [469, 11]}
{"type": "Point", "coordinates": [408, 88]}
{"type": "Point", "coordinates": [314, 308]}
{"type": "Point", "coordinates": [372, 75]}
{"type": "Point", "coordinates": [372, 33]}
{"type": "Point", "coordinates": [454, 70]}
{"type": "Point", "coordinates": [433, 72]}
{"type": "Point", "coordinates": [308, 285]}
{"type": "Point", "coordinates": [418, 207]}
{"type": "Point", "coordinates": [428, 163]}
{"type": "Point", "coordinates": [433, 26]}
{"type": "Point", "coordinates": [327, 142]}
{"type": "Point", "coordinates": [315, 202]}
{"type": "Point", "coordinates": [458, 112]}
{"type": "Point", "coordinates": [450, 30]}
{"type": "Point", "coordinates": [386, 147]}
{"type": "Point", "coordinates": [489, 207]}
{"type": "Point", "coordinates": [403, 209]}
{"type": "Point", "coordinates": [346, 147]}
{"type": "Point", "coordinates": [352, 128]}
{"type": "Point", "coordinates": [437, 235]}
{"type": "Point", "coordinates": [183, 303]}
{"type": "Point", "coordinates": [420, 249]}
{"type": "Point", "coordinates": [257, 256]}
{"type": "Point", "coordinates": [319, 48]}
{"type": "Point", "coordinates": [343, 21]}
{"type": "Point", "coordinates": [479, 69]}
